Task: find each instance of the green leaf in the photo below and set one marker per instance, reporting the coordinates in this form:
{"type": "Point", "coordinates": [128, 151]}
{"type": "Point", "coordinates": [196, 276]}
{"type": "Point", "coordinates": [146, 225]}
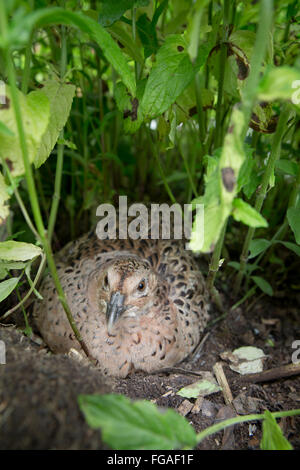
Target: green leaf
{"type": "Point", "coordinates": [5, 266]}
{"type": "Point", "coordinates": [138, 425]}
{"type": "Point", "coordinates": [202, 388]}
{"type": "Point", "coordinates": [242, 211]}
{"type": "Point", "coordinates": [280, 83]}
{"type": "Point", "coordinates": [112, 11]}
{"type": "Point", "coordinates": [129, 46]}
{"type": "Point", "coordinates": [293, 216]}
{"type": "Point", "coordinates": [220, 186]}
{"type": "Point", "coordinates": [6, 287]}
{"type": "Point", "coordinates": [147, 33]}
{"type": "Point", "coordinates": [95, 31]}
{"type": "Point", "coordinates": [18, 251]}
{"type": "Point", "coordinates": [170, 75]}
{"type": "Point", "coordinates": [287, 166]}
{"type": "Point", "coordinates": [257, 246]}
{"type": "Point", "coordinates": [263, 285]}
{"type": "Point", "coordinates": [35, 111]}
{"type": "Point", "coordinates": [291, 246]}
{"type": "Point", "coordinates": [273, 438]}
{"type": "Point", "coordinates": [130, 107]}
{"type": "Point", "coordinates": [60, 96]}
{"type": "Point", "coordinates": [5, 130]}
{"type": "Point", "coordinates": [234, 265]}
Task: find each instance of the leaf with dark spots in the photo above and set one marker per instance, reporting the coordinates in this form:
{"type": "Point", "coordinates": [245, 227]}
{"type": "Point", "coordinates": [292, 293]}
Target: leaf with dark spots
{"type": "Point", "coordinates": [126, 113]}
{"type": "Point", "coordinates": [228, 178]}
{"type": "Point", "coordinates": [180, 48]}
{"type": "Point", "coordinates": [262, 119]}
{"type": "Point", "coordinates": [243, 68]}
{"type": "Point", "coordinates": [133, 113]}
{"type": "Point", "coordinates": [229, 50]}
{"type": "Point", "coordinates": [9, 163]}
{"type": "Point", "coordinates": [193, 111]}
{"type": "Point", "coordinates": [4, 102]}
{"type": "Point", "coordinates": [135, 105]}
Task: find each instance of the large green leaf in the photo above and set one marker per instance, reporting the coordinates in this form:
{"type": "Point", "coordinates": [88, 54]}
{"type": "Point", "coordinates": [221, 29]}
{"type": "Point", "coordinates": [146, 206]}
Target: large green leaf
{"type": "Point", "coordinates": [21, 29]}
{"type": "Point", "coordinates": [247, 214]}
{"type": "Point", "coordinates": [263, 285]}
{"type": "Point", "coordinates": [6, 287]}
{"type": "Point", "coordinates": [170, 75]}
{"type": "Point", "coordinates": [221, 186]}
{"type": "Point", "coordinates": [118, 32]}
{"type": "Point", "coordinates": [18, 251]}
{"type": "Point", "coordinates": [35, 111]}
{"type": "Point", "coordinates": [60, 96]}
{"type": "Point", "coordinates": [273, 438]}
{"type": "Point", "coordinates": [139, 425]}
{"type": "Point", "coordinates": [293, 216]}
{"type": "Point", "coordinates": [257, 246]}
{"type": "Point", "coordinates": [111, 11]}
{"type": "Point", "coordinates": [280, 83]}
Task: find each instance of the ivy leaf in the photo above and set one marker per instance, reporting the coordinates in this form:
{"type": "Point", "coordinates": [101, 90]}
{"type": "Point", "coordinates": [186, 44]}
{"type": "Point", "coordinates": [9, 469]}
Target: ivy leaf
{"type": "Point", "coordinates": [242, 211]}
{"type": "Point", "coordinates": [138, 425]}
{"type": "Point", "coordinates": [273, 438]}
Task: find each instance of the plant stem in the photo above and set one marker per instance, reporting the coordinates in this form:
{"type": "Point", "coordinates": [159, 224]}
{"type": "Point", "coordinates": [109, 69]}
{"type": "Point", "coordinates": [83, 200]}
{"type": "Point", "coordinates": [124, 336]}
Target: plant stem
{"type": "Point", "coordinates": [163, 177]}
{"type": "Point", "coordinates": [60, 147]}
{"type": "Point", "coordinates": [222, 66]}
{"type": "Point", "coordinates": [275, 151]}
{"type": "Point", "coordinates": [241, 419]}
{"type": "Point", "coordinates": [214, 267]}
{"type": "Point", "coordinates": [26, 70]}
{"type": "Point", "coordinates": [30, 181]}
{"type": "Point", "coordinates": [258, 55]}
{"type": "Point", "coordinates": [201, 123]}
{"type": "Point", "coordinates": [280, 233]}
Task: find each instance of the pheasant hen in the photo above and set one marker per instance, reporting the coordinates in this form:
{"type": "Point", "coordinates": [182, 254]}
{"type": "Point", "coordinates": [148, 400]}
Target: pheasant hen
{"type": "Point", "coordinates": [139, 304]}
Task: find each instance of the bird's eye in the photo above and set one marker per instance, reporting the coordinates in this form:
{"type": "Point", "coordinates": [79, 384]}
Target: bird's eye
{"type": "Point", "coordinates": [142, 285]}
{"type": "Point", "coordinates": [105, 282]}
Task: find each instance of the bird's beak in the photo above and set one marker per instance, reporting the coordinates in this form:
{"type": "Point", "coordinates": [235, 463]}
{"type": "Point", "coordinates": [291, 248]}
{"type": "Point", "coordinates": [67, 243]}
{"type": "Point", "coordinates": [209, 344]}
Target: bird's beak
{"type": "Point", "coordinates": [115, 308]}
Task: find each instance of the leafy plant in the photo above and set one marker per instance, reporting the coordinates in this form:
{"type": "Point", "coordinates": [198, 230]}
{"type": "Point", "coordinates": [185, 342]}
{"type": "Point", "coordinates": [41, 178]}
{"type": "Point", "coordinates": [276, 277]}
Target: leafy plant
{"type": "Point", "coordinates": [140, 425]}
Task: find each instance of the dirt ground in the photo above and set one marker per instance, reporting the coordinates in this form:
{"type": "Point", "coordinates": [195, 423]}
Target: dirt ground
{"type": "Point", "coordinates": [38, 388]}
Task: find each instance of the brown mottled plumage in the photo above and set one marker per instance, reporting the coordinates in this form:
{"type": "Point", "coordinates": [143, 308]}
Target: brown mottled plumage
{"type": "Point", "coordinates": [139, 305]}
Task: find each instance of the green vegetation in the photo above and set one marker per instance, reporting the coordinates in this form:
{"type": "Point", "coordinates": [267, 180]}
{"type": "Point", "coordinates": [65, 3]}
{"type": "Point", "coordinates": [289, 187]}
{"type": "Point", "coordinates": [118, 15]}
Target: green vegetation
{"type": "Point", "coordinates": [160, 100]}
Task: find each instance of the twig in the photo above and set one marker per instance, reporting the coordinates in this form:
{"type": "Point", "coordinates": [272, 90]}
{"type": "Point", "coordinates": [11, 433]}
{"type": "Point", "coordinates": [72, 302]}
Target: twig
{"type": "Point", "coordinates": [222, 381]}
{"type": "Point", "coordinates": [273, 374]}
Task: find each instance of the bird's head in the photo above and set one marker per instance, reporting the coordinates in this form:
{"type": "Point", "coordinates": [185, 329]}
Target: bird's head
{"type": "Point", "coordinates": [127, 285]}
